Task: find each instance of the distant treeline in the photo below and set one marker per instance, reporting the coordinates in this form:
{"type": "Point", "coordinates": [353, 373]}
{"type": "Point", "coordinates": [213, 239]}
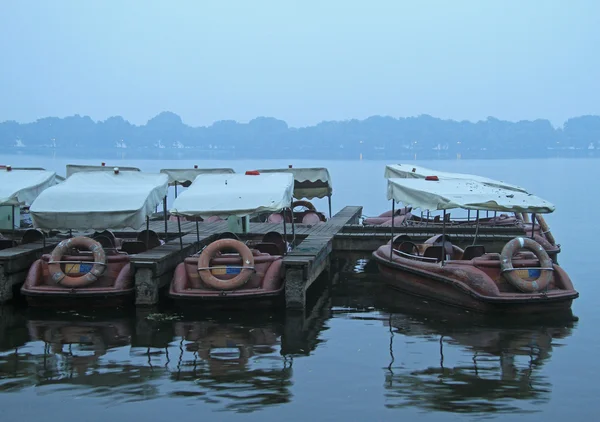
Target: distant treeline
{"type": "Point", "coordinates": [377, 133]}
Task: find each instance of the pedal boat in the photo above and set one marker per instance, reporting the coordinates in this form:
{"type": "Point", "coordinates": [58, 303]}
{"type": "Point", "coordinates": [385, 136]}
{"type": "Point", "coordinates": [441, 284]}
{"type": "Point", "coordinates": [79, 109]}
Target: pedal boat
{"type": "Point", "coordinates": [230, 270]}
{"type": "Point", "coordinates": [19, 187]}
{"type": "Point", "coordinates": [520, 279]}
{"type": "Point", "coordinates": [93, 269]}
{"type": "Point", "coordinates": [523, 222]}
{"type": "Point", "coordinates": [309, 183]}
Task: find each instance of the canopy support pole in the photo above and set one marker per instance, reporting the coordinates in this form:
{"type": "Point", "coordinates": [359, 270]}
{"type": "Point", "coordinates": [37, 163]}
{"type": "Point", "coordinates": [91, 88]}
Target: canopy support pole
{"type": "Point", "coordinates": [13, 223]}
{"type": "Point", "coordinates": [392, 230]}
{"type": "Point", "coordinates": [532, 224]}
{"type": "Point", "coordinates": [329, 200]}
{"type": "Point", "coordinates": [476, 228]}
{"type": "Point", "coordinates": [444, 238]}
{"type": "Point", "coordinates": [165, 215]}
{"type": "Point", "coordinates": [293, 227]}
{"type": "Point", "coordinates": [147, 231]}
{"type": "Point", "coordinates": [197, 231]}
{"type": "Point", "coordinates": [285, 229]}
{"type": "Point", "coordinates": [179, 228]}
{"type": "Point", "coordinates": [175, 190]}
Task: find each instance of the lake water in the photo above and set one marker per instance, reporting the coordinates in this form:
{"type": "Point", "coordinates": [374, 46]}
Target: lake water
{"type": "Point", "coordinates": [360, 352]}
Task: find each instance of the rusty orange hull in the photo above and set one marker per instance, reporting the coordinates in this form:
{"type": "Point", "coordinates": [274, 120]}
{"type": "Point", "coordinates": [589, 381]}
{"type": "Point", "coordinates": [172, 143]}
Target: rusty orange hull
{"type": "Point", "coordinates": [464, 285]}
{"type": "Point", "coordinates": [114, 288]}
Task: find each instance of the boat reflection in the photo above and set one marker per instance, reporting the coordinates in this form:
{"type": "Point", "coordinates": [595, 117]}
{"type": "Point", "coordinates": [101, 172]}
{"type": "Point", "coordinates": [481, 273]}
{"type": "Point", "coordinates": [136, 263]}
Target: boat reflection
{"type": "Point", "coordinates": [474, 364]}
{"type": "Point", "coordinates": [234, 361]}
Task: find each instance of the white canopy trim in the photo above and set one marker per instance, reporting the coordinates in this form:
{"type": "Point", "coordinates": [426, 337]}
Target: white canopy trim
{"type": "Point", "coordinates": [186, 176]}
{"type": "Point", "coordinates": [309, 183]}
{"type": "Point", "coordinates": [466, 194]}
{"type": "Point", "coordinates": [100, 200]}
{"type": "Point", "coordinates": [236, 194]}
{"type": "Point", "coordinates": [411, 171]}
{"type": "Point", "coordinates": [21, 187]}
{"type": "Point", "coordinates": [77, 168]}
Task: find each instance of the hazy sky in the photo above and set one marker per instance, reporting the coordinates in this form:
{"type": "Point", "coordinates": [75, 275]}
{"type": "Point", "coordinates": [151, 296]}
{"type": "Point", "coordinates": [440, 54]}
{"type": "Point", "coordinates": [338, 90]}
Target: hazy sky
{"type": "Point", "coordinates": [301, 61]}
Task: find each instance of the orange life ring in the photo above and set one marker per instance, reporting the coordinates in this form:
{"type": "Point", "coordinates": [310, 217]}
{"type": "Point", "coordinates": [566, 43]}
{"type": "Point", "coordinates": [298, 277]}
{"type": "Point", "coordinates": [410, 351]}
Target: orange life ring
{"type": "Point", "coordinates": [528, 286]}
{"type": "Point", "coordinates": [98, 268]}
{"type": "Point", "coordinates": [239, 280]}
{"type": "Point", "coordinates": [307, 204]}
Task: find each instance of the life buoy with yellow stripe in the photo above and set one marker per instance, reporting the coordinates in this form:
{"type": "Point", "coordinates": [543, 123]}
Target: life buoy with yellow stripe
{"type": "Point", "coordinates": [99, 266]}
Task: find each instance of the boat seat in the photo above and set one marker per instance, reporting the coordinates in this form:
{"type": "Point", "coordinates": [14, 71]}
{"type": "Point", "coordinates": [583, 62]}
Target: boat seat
{"type": "Point", "coordinates": [7, 243]}
{"type": "Point", "coordinates": [473, 251]}
{"type": "Point", "coordinates": [228, 235]}
{"type": "Point", "coordinates": [436, 252]}
{"type": "Point", "coordinates": [407, 247]}
{"type": "Point", "coordinates": [151, 237]}
{"type": "Point", "coordinates": [134, 247]}
{"type": "Point", "coordinates": [104, 241]}
{"type": "Point", "coordinates": [277, 239]}
{"type": "Point", "coordinates": [270, 248]}
{"type": "Point", "coordinates": [32, 235]}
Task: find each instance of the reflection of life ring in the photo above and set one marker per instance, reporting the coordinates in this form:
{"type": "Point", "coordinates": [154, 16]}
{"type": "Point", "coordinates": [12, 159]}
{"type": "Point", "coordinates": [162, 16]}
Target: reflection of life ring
{"type": "Point", "coordinates": [98, 268]}
{"type": "Point", "coordinates": [528, 286]}
{"type": "Point", "coordinates": [306, 204]}
{"type": "Point", "coordinates": [239, 280]}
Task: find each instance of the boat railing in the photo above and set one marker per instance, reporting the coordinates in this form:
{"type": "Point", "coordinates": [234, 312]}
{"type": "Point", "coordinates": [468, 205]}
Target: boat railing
{"type": "Point", "coordinates": [416, 257]}
{"type": "Point", "coordinates": [220, 267]}
{"type": "Point", "coordinates": [528, 268]}
{"type": "Point", "coordinates": [78, 262]}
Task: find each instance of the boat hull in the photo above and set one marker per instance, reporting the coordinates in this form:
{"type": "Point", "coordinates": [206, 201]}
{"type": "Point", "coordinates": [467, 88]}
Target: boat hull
{"type": "Point", "coordinates": [444, 289]}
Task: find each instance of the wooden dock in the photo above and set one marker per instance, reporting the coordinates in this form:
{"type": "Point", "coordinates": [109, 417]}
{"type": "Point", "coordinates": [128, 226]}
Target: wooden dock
{"type": "Point", "coordinates": [359, 238]}
{"type": "Point", "coordinates": [308, 260]}
{"type": "Point", "coordinates": [310, 257]}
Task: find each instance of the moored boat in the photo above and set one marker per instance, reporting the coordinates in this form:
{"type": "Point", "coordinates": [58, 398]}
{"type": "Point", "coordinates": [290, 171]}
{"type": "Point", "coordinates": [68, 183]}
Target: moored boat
{"type": "Point", "coordinates": [525, 223]}
{"type": "Point", "coordinates": [19, 187]}
{"type": "Point", "coordinates": [521, 279]}
{"type": "Point", "coordinates": [93, 267]}
{"type": "Point", "coordinates": [230, 270]}
{"type": "Point", "coordinates": [309, 183]}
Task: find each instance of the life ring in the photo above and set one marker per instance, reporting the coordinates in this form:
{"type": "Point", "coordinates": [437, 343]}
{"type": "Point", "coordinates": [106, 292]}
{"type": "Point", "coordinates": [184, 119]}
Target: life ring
{"type": "Point", "coordinates": [57, 274]}
{"type": "Point", "coordinates": [528, 286]}
{"type": "Point", "coordinates": [307, 204]}
{"type": "Point", "coordinates": [239, 280]}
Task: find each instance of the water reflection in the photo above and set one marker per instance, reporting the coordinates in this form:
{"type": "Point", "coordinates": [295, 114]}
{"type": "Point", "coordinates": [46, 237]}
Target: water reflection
{"type": "Point", "coordinates": [234, 361]}
{"type": "Point", "coordinates": [470, 363]}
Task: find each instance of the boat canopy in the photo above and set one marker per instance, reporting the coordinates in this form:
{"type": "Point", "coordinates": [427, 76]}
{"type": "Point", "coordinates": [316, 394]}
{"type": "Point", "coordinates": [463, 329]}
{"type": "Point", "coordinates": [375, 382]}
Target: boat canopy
{"type": "Point", "coordinates": [309, 183]}
{"type": "Point", "coordinates": [411, 171]}
{"type": "Point", "coordinates": [236, 194]}
{"type": "Point", "coordinates": [444, 194]}
{"type": "Point", "coordinates": [100, 200]}
{"type": "Point", "coordinates": [21, 187]}
{"type": "Point", "coordinates": [186, 176]}
{"type": "Point", "coordinates": [76, 168]}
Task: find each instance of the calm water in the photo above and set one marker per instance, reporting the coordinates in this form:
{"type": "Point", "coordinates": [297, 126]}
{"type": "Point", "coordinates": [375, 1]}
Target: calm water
{"type": "Point", "coordinates": [360, 352]}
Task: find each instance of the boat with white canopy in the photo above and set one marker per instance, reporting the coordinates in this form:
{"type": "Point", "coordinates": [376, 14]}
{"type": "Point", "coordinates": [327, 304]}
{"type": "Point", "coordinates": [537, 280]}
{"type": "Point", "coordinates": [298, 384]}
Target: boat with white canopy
{"type": "Point", "coordinates": [93, 267]}
{"type": "Point", "coordinates": [185, 176]}
{"type": "Point", "coordinates": [228, 268]}
{"type": "Point", "coordinates": [405, 217]}
{"type": "Point", "coordinates": [19, 187]}
{"type": "Point", "coordinates": [309, 183]}
{"type": "Point", "coordinates": [78, 168]}
{"type": "Point", "coordinates": [522, 278]}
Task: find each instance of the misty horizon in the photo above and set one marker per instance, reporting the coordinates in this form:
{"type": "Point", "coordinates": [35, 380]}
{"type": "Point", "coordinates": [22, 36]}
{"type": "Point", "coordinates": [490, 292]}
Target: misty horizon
{"type": "Point", "coordinates": [304, 62]}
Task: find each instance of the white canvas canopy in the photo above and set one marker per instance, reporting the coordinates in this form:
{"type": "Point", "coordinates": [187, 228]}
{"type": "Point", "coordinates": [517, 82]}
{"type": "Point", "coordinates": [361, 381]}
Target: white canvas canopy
{"type": "Point", "coordinates": [465, 194]}
{"type": "Point", "coordinates": [309, 183]}
{"type": "Point", "coordinates": [99, 200]}
{"type": "Point", "coordinates": [236, 194]}
{"type": "Point", "coordinates": [411, 171]}
{"type": "Point", "coordinates": [77, 168]}
{"type": "Point", "coordinates": [186, 176]}
{"type": "Point", "coordinates": [21, 187]}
